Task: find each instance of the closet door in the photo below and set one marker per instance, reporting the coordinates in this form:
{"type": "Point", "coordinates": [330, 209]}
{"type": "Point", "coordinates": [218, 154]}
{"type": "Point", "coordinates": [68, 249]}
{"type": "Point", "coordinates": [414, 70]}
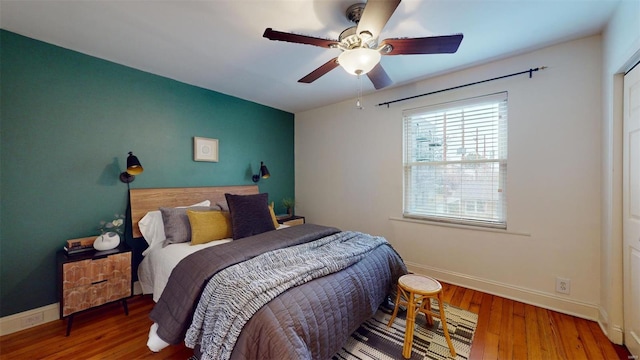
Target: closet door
{"type": "Point", "coordinates": [631, 210]}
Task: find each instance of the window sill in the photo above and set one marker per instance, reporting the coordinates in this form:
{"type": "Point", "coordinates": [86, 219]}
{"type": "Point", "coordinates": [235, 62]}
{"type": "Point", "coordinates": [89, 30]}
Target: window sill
{"type": "Point", "coordinates": [458, 226]}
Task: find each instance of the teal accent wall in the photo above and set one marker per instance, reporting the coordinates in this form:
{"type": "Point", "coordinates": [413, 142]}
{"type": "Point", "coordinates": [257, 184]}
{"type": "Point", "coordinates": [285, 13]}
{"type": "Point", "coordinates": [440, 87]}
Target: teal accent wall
{"type": "Point", "coordinates": [67, 122]}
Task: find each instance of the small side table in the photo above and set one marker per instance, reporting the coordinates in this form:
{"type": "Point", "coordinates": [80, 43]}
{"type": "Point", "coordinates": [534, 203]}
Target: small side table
{"type": "Point", "coordinates": [92, 279]}
{"type": "Point", "coordinates": [291, 220]}
{"type": "Point", "coordinates": [416, 291]}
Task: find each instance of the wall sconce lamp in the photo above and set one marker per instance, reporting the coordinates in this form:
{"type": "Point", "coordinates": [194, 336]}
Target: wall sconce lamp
{"type": "Point", "coordinates": [133, 168]}
{"type": "Point", "coordinates": [263, 173]}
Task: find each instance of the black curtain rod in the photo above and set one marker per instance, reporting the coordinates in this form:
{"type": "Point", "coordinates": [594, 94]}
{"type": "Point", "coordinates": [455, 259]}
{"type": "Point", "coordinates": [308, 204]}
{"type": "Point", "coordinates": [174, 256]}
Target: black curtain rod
{"type": "Point", "coordinates": [530, 72]}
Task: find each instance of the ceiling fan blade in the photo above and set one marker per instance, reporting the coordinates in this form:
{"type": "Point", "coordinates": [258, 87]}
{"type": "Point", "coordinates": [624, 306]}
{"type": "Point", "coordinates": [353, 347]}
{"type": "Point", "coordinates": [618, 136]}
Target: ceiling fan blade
{"type": "Point", "coordinates": [315, 74]}
{"type": "Point", "coordinates": [375, 16]}
{"type": "Point", "coordinates": [379, 77]}
{"type": "Point", "coordinates": [447, 44]}
{"type": "Point", "coordinates": [271, 34]}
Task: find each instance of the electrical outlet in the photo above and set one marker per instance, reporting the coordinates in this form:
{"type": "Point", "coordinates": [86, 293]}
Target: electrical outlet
{"type": "Point", "coordinates": [32, 320]}
{"type": "Point", "coordinates": [563, 285]}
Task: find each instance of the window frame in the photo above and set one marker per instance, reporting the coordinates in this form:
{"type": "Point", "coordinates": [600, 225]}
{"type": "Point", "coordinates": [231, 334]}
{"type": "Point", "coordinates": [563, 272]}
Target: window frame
{"type": "Point", "coordinates": [413, 162]}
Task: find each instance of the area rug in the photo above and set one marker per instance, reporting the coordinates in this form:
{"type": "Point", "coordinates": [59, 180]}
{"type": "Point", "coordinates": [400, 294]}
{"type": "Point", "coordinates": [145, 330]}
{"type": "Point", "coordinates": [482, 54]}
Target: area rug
{"type": "Point", "coordinates": [375, 341]}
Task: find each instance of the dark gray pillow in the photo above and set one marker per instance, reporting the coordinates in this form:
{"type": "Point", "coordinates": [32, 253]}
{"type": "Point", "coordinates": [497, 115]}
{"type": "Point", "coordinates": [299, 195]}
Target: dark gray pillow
{"type": "Point", "coordinates": [223, 205]}
{"type": "Point", "coordinates": [176, 223]}
{"type": "Point", "coordinates": [249, 214]}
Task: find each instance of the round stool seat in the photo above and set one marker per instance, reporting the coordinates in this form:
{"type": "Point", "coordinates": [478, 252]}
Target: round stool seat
{"type": "Point", "coordinates": [416, 291]}
{"type": "Point", "coordinates": [420, 284]}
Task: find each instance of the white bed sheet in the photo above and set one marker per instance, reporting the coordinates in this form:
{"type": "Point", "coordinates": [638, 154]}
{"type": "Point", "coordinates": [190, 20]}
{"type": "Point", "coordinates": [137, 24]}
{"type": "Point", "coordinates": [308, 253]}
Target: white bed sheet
{"type": "Point", "coordinates": [158, 262]}
{"type": "Point", "coordinates": [155, 268]}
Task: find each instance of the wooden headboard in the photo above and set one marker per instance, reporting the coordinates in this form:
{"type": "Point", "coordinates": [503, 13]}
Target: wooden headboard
{"type": "Point", "coordinates": [145, 200]}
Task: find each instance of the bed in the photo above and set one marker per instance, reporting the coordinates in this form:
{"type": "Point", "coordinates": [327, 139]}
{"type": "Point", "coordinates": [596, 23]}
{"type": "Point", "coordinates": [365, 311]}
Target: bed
{"type": "Point", "coordinates": [263, 291]}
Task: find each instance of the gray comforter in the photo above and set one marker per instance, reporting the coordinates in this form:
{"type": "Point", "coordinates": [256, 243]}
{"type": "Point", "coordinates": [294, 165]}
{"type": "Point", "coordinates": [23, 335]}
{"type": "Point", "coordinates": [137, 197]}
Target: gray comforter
{"type": "Point", "coordinates": [312, 320]}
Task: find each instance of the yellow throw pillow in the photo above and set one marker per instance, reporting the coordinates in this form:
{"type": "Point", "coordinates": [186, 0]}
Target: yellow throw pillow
{"type": "Point", "coordinates": [273, 215]}
{"type": "Point", "coordinates": [209, 225]}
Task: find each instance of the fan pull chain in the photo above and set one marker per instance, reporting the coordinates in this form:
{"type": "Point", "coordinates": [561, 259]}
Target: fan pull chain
{"type": "Point", "coordinates": [358, 102]}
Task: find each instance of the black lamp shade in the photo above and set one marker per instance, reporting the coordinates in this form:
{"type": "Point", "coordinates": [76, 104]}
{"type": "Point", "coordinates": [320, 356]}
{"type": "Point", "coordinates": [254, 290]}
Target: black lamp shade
{"type": "Point", "coordinates": [133, 165]}
{"type": "Point", "coordinates": [133, 168]}
{"type": "Point", "coordinates": [264, 172]}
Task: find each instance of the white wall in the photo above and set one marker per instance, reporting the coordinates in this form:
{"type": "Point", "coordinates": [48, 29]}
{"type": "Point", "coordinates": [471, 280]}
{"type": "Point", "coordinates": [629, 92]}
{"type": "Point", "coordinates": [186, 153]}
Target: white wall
{"type": "Point", "coordinates": [349, 174]}
{"type": "Point", "coordinates": [621, 48]}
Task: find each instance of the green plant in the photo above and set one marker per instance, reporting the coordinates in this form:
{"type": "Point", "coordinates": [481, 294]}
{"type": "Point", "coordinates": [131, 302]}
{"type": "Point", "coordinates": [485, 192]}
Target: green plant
{"type": "Point", "coordinates": [288, 203]}
{"type": "Point", "coordinates": [114, 225]}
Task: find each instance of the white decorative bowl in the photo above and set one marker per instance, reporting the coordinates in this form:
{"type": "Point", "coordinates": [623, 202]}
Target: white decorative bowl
{"type": "Point", "coordinates": [107, 241]}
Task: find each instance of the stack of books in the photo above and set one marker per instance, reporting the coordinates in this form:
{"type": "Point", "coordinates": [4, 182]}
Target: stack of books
{"type": "Point", "coordinates": [80, 245]}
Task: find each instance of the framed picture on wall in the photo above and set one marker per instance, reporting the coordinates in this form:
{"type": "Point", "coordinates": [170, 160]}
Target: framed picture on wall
{"type": "Point", "coordinates": [205, 149]}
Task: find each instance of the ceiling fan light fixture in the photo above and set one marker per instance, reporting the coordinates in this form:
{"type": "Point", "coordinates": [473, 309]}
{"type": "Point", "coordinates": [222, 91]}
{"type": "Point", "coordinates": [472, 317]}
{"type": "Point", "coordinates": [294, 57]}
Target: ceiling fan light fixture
{"type": "Point", "coordinates": [360, 47]}
{"type": "Point", "coordinates": [359, 61]}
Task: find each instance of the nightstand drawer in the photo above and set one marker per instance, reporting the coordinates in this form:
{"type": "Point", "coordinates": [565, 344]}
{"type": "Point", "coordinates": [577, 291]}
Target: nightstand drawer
{"type": "Point", "coordinates": [87, 296]}
{"type": "Point", "coordinates": [83, 297]}
{"type": "Point", "coordinates": [89, 282]}
{"type": "Point", "coordinates": [85, 272]}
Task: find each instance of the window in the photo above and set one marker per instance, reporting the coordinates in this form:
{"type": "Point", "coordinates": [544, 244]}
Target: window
{"type": "Point", "coordinates": [455, 161]}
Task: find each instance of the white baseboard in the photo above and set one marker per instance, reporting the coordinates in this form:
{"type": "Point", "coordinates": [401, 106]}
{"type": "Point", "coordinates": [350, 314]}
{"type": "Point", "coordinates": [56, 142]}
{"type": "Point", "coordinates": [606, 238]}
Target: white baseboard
{"type": "Point", "coordinates": [28, 319]}
{"type": "Point", "coordinates": [615, 333]}
{"type": "Point", "coordinates": [533, 297]}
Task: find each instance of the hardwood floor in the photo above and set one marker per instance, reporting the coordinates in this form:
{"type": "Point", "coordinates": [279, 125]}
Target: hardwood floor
{"type": "Point", "coordinates": [506, 329]}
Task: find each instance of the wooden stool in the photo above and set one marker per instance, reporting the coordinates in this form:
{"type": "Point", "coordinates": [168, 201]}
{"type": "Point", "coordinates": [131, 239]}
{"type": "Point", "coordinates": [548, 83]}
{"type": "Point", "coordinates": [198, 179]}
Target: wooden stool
{"type": "Point", "coordinates": [418, 290]}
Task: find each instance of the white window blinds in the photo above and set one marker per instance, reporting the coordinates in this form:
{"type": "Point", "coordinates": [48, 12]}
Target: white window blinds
{"type": "Point", "coordinates": [455, 161]}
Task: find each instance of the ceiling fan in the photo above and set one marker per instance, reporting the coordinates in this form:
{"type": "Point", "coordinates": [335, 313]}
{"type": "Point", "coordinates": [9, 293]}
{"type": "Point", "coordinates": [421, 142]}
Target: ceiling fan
{"type": "Point", "coordinates": [361, 50]}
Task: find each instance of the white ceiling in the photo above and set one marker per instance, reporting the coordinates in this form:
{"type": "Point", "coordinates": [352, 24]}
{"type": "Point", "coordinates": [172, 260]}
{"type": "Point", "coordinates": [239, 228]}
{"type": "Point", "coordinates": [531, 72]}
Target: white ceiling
{"type": "Point", "coordinates": [218, 44]}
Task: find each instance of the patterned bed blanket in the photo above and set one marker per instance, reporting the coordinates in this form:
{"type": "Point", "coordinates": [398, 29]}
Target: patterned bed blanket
{"type": "Point", "coordinates": [234, 294]}
{"type": "Point", "coordinates": [312, 319]}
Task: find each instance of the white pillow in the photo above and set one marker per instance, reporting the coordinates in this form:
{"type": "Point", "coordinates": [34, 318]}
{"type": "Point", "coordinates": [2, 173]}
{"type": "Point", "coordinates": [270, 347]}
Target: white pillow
{"type": "Point", "coordinates": [152, 227]}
